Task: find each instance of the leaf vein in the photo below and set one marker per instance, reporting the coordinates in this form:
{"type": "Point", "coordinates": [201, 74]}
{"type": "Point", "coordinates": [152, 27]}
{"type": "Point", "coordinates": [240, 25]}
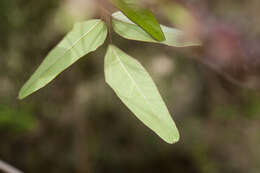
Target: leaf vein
{"type": "Point", "coordinates": [134, 83]}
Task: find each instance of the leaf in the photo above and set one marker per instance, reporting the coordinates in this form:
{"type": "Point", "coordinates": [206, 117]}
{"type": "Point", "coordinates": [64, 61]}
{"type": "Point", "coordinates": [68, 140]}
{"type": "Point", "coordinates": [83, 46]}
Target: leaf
{"type": "Point", "coordinates": [133, 85]}
{"type": "Point", "coordinates": [85, 37]}
{"type": "Point", "coordinates": [127, 29]}
{"type": "Point", "coordinates": [142, 17]}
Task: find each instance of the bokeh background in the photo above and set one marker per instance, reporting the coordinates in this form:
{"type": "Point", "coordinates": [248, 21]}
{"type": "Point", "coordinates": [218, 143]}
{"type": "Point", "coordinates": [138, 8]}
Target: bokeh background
{"type": "Point", "coordinates": [77, 124]}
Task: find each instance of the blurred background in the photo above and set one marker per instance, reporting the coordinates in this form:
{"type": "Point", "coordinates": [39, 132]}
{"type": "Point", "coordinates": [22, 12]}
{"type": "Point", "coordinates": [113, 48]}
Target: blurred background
{"type": "Point", "coordinates": [77, 124]}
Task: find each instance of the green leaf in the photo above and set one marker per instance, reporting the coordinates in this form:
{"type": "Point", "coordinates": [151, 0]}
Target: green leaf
{"type": "Point", "coordinates": [142, 17]}
{"type": "Point", "coordinates": [133, 85]}
{"type": "Point", "coordinates": [127, 29]}
{"type": "Point", "coordinates": [85, 37]}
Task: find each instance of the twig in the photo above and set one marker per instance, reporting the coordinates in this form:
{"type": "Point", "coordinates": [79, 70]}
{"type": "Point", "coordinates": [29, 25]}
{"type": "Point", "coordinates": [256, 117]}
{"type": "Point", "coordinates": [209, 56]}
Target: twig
{"type": "Point", "coordinates": [8, 168]}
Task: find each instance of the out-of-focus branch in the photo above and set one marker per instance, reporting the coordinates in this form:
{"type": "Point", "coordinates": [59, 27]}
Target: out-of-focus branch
{"type": "Point", "coordinates": [8, 168]}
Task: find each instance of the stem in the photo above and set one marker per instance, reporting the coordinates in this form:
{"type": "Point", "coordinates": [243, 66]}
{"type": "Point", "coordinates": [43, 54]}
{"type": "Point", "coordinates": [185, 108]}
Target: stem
{"type": "Point", "coordinates": [105, 15]}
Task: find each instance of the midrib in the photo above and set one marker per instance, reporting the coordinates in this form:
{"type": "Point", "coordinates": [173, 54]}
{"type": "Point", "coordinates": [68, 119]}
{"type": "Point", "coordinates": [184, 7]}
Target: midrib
{"type": "Point", "coordinates": [131, 78]}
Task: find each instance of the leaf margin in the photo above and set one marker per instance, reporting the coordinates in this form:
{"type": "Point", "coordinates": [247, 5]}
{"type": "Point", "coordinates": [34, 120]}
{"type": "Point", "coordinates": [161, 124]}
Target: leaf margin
{"type": "Point", "coordinates": [173, 138]}
{"type": "Point", "coordinates": [155, 31]}
{"type": "Point", "coordinates": [27, 90]}
{"type": "Point", "coordinates": [118, 18]}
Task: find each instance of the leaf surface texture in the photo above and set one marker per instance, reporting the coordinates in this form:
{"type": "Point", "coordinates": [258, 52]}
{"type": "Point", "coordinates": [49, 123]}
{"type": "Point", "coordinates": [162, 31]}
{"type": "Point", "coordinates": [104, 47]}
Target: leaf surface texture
{"type": "Point", "coordinates": [85, 37]}
{"type": "Point", "coordinates": [134, 86]}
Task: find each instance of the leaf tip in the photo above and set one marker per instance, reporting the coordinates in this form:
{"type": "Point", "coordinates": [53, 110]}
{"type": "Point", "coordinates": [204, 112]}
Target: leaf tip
{"type": "Point", "coordinates": [21, 95]}
{"type": "Point", "coordinates": [172, 136]}
{"type": "Point", "coordinates": [173, 139]}
{"type": "Point", "coordinates": [161, 38]}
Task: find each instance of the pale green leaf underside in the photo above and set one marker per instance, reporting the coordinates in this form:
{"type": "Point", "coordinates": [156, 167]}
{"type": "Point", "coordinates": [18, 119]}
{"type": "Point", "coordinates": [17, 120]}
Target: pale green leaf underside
{"type": "Point", "coordinates": [129, 30]}
{"type": "Point", "coordinates": [142, 17]}
{"type": "Point", "coordinates": [133, 85]}
{"type": "Point", "coordinates": [85, 37]}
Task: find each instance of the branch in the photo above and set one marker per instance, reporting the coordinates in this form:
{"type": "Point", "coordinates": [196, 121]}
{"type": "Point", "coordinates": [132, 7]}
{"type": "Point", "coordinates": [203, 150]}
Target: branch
{"type": "Point", "coordinates": [8, 168]}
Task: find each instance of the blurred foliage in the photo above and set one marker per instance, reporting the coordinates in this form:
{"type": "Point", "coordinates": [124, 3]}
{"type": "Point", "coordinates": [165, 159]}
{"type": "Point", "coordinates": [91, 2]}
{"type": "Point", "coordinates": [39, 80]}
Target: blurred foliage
{"type": "Point", "coordinates": [16, 120]}
{"type": "Point", "coordinates": [77, 124]}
